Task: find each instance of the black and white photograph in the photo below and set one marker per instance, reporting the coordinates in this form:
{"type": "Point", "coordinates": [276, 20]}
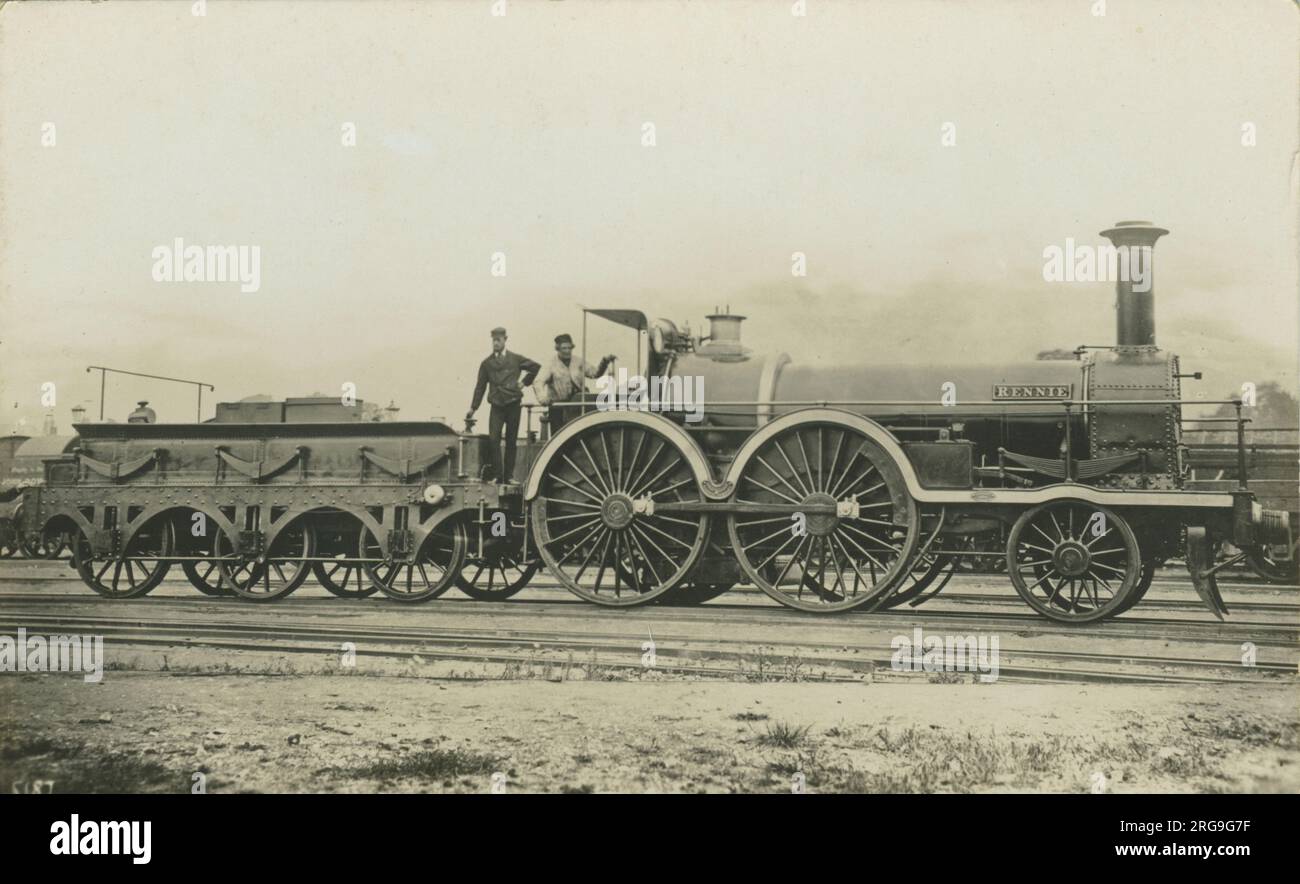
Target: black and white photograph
{"type": "Point", "coordinates": [598, 397]}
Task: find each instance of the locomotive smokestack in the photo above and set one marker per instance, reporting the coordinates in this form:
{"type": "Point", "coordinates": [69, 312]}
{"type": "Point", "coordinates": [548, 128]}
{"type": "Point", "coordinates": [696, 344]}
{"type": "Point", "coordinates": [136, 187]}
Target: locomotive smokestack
{"type": "Point", "coordinates": [1135, 314]}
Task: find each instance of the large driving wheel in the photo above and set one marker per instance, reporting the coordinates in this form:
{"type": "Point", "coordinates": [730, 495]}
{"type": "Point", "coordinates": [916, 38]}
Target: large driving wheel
{"type": "Point", "coordinates": [612, 519]}
{"type": "Point", "coordinates": [829, 524]}
{"type": "Point", "coordinates": [136, 571]}
{"type": "Point", "coordinates": [1073, 562]}
{"type": "Point", "coordinates": [282, 570]}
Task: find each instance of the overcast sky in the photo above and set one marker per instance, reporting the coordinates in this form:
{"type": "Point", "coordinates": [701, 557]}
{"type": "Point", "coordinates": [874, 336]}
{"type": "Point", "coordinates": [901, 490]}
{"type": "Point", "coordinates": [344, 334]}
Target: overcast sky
{"type": "Point", "coordinates": [523, 134]}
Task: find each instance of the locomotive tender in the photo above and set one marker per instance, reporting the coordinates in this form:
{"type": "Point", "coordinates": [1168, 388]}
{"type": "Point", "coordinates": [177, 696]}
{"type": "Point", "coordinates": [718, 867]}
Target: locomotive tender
{"type": "Point", "coordinates": [827, 488]}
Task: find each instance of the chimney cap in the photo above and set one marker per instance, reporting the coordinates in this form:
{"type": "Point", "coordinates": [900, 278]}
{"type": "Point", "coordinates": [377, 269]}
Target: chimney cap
{"type": "Point", "coordinates": [1134, 233]}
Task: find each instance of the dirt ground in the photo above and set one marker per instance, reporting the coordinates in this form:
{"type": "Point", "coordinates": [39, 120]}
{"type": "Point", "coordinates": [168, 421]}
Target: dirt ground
{"type": "Point", "coordinates": [272, 728]}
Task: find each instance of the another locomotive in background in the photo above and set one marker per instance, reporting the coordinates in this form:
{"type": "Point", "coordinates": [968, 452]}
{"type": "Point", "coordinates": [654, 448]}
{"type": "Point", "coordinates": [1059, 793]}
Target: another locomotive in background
{"type": "Point", "coordinates": [829, 488]}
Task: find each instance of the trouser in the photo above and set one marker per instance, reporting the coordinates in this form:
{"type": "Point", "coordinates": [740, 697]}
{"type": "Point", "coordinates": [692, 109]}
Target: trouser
{"type": "Point", "coordinates": [504, 417]}
{"type": "Point", "coordinates": [561, 416]}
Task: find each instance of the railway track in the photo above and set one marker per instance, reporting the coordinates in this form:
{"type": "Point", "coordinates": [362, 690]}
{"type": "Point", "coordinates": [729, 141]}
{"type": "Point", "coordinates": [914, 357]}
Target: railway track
{"type": "Point", "coordinates": [958, 610]}
{"type": "Point", "coordinates": [1146, 650]}
{"type": "Point", "coordinates": [686, 654]}
{"type": "Point", "coordinates": [1169, 639]}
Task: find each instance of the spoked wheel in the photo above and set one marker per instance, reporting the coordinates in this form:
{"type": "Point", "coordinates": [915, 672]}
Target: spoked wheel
{"type": "Point", "coordinates": [50, 545]}
{"type": "Point", "coordinates": [342, 575]}
{"type": "Point", "coordinates": [344, 578]}
{"type": "Point", "coordinates": [857, 543]}
{"type": "Point", "coordinates": [604, 520]}
{"type": "Point", "coordinates": [1273, 570]}
{"type": "Point", "coordinates": [136, 572]}
{"type": "Point", "coordinates": [206, 578]}
{"type": "Point", "coordinates": [283, 570]}
{"type": "Point", "coordinates": [690, 593]}
{"type": "Point", "coordinates": [926, 569]}
{"type": "Point", "coordinates": [496, 576]}
{"type": "Point", "coordinates": [1073, 562]}
{"type": "Point", "coordinates": [432, 571]}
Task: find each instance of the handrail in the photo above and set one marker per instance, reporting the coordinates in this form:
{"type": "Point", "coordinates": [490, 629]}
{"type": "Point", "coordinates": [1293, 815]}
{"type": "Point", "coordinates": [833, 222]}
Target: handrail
{"type": "Point", "coordinates": [1086, 407]}
{"type": "Point", "coordinates": [827, 403]}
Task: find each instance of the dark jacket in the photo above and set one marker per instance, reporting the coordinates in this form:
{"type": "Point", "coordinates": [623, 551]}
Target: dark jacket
{"type": "Point", "coordinates": [502, 375]}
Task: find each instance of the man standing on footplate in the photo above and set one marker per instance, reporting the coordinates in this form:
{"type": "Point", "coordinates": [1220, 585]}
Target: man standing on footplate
{"type": "Point", "coordinates": [501, 372]}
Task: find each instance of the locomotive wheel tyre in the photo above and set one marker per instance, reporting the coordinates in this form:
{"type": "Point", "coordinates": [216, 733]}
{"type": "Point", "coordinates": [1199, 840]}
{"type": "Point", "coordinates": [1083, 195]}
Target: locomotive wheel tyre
{"type": "Point", "coordinates": [442, 552]}
{"type": "Point", "coordinates": [206, 578]}
{"type": "Point", "coordinates": [1061, 531]}
{"type": "Point", "coordinates": [284, 570]}
{"type": "Point", "coordinates": [586, 521]}
{"type": "Point", "coordinates": [117, 578]}
{"type": "Point", "coordinates": [835, 551]}
{"type": "Point", "coordinates": [690, 594]}
{"type": "Point", "coordinates": [513, 577]}
{"type": "Point", "coordinates": [1144, 583]}
{"type": "Point", "coordinates": [1272, 570]}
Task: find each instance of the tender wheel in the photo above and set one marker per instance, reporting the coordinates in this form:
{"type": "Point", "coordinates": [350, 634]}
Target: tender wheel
{"type": "Point", "coordinates": [429, 575]}
{"type": "Point", "coordinates": [284, 569]}
{"type": "Point", "coordinates": [604, 520]}
{"type": "Point", "coordinates": [495, 577]}
{"type": "Point", "coordinates": [1073, 562]}
{"type": "Point", "coordinates": [136, 572]}
{"type": "Point", "coordinates": [344, 579]}
{"type": "Point", "coordinates": [206, 578]}
{"type": "Point", "coordinates": [343, 576]}
{"type": "Point", "coordinates": [859, 540]}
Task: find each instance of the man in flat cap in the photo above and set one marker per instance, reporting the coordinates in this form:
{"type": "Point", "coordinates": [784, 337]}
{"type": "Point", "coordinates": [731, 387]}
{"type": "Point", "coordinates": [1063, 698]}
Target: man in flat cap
{"type": "Point", "coordinates": [501, 371]}
{"type": "Point", "coordinates": [565, 380]}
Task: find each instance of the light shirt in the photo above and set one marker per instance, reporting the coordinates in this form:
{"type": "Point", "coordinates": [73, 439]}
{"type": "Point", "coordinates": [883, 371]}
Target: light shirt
{"type": "Point", "coordinates": [561, 383]}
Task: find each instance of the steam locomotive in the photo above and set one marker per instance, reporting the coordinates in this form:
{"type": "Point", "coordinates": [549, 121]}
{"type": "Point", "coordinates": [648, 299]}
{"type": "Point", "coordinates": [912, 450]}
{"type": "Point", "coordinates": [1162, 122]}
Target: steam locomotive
{"type": "Point", "coordinates": [829, 489]}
